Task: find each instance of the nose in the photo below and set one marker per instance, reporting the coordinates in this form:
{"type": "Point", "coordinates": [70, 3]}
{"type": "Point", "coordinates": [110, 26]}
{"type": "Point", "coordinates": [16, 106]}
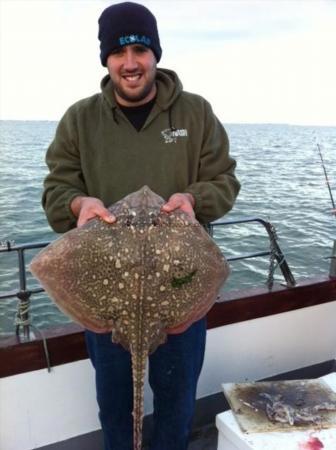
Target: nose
{"type": "Point", "coordinates": [130, 61]}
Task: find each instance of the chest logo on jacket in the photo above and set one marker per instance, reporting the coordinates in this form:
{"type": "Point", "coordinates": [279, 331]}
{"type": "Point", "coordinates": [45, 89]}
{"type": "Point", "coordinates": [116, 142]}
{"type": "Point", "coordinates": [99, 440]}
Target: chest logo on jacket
{"type": "Point", "coordinates": [170, 136]}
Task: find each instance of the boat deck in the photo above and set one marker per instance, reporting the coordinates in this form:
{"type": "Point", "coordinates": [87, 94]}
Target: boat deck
{"type": "Point", "coordinates": [204, 438]}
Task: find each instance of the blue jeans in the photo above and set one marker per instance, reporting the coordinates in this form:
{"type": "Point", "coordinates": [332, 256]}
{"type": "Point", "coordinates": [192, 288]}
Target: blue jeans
{"type": "Point", "coordinates": [174, 369]}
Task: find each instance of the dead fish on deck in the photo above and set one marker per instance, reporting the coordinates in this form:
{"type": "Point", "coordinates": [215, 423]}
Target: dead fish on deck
{"type": "Point", "coordinates": [277, 410]}
{"type": "Point", "coordinates": [145, 275]}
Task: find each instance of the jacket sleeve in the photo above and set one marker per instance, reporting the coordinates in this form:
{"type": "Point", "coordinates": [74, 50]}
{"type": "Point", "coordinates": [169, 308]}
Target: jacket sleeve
{"type": "Point", "coordinates": [65, 180]}
{"type": "Point", "coordinates": [217, 186]}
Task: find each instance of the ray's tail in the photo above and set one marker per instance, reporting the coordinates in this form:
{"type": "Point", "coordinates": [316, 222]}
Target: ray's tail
{"type": "Point", "coordinates": [139, 360]}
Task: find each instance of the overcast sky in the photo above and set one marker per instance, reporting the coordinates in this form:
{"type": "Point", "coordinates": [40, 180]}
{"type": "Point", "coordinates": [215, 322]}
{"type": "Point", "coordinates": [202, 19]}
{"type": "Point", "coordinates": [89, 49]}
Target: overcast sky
{"type": "Point", "coordinates": [267, 61]}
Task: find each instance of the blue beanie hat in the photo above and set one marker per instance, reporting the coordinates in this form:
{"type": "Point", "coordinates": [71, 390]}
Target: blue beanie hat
{"type": "Point", "coordinates": [124, 24]}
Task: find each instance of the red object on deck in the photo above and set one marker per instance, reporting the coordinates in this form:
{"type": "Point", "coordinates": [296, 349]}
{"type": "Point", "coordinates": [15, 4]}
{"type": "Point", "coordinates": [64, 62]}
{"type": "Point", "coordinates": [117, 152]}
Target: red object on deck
{"type": "Point", "coordinates": [313, 443]}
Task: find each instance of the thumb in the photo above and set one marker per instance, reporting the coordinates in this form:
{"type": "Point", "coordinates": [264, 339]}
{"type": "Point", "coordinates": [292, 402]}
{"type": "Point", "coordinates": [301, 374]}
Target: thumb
{"type": "Point", "coordinates": [106, 215]}
{"type": "Point", "coordinates": [173, 203]}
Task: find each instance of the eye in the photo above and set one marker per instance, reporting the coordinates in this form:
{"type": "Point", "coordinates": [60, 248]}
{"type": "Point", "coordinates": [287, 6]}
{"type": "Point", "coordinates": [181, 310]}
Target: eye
{"type": "Point", "coordinates": [140, 49]}
{"type": "Point", "coordinates": [117, 51]}
{"type": "Point", "coordinates": [153, 218]}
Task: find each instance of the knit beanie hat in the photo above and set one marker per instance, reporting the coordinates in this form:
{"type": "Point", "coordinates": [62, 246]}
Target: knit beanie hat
{"type": "Point", "coordinates": [124, 24]}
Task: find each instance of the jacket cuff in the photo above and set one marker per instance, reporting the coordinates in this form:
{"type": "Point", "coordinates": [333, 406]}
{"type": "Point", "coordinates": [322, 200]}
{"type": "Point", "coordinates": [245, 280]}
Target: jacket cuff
{"type": "Point", "coordinates": [198, 200]}
{"type": "Point", "coordinates": [68, 203]}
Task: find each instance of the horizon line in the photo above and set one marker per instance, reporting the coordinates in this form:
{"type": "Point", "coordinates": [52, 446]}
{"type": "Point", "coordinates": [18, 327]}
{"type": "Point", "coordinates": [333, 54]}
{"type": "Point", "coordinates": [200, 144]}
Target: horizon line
{"type": "Point", "coordinates": [300, 124]}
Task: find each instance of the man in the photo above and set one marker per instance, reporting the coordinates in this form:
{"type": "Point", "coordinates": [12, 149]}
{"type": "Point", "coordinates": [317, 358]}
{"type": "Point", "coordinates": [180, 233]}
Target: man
{"type": "Point", "coordinates": [141, 129]}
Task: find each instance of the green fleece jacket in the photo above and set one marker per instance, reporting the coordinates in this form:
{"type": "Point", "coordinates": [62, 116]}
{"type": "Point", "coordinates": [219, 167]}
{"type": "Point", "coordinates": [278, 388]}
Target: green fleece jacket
{"type": "Point", "coordinates": [97, 152]}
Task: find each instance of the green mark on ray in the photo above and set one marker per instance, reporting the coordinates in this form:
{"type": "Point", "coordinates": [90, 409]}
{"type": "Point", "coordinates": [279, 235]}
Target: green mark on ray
{"type": "Point", "coordinates": [179, 282]}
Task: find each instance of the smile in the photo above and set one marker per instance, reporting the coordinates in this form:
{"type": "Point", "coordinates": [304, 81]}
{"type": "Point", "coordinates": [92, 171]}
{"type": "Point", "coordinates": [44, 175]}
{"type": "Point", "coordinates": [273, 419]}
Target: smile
{"type": "Point", "coordinates": [132, 77]}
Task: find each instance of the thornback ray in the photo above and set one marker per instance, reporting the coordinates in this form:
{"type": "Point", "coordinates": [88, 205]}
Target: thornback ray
{"type": "Point", "coordinates": [148, 274]}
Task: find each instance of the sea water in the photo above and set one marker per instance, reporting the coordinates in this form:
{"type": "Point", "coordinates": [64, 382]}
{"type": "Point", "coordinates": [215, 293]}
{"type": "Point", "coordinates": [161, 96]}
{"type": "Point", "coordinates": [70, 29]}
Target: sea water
{"type": "Point", "coordinates": [282, 182]}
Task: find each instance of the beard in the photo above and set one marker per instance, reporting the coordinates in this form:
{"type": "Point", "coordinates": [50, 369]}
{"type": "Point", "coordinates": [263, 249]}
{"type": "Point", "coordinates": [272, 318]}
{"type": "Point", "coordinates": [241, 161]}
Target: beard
{"type": "Point", "coordinates": [137, 94]}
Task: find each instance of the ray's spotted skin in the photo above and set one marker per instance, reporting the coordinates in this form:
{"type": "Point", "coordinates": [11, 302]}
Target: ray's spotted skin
{"type": "Point", "coordinates": [148, 274]}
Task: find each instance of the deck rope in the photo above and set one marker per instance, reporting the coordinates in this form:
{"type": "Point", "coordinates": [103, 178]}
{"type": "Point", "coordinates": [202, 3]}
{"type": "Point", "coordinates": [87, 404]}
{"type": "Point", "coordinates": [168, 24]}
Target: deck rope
{"type": "Point", "coordinates": [22, 319]}
{"type": "Point", "coordinates": [272, 261]}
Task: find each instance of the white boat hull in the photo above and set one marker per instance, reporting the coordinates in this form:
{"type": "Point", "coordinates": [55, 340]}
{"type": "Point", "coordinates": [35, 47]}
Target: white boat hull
{"type": "Point", "coordinates": [40, 408]}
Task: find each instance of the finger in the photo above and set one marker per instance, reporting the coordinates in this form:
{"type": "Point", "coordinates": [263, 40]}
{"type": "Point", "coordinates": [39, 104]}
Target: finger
{"type": "Point", "coordinates": [170, 206]}
{"type": "Point", "coordinates": [188, 210]}
{"type": "Point", "coordinates": [173, 203]}
{"type": "Point", "coordinates": [103, 213]}
{"type": "Point", "coordinates": [107, 216]}
{"type": "Point", "coordinates": [82, 220]}
{"type": "Point", "coordinates": [179, 202]}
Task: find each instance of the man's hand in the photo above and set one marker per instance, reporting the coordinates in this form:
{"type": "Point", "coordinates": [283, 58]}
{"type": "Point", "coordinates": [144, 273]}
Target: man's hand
{"type": "Point", "coordinates": [185, 202]}
{"type": "Point", "coordinates": [86, 208]}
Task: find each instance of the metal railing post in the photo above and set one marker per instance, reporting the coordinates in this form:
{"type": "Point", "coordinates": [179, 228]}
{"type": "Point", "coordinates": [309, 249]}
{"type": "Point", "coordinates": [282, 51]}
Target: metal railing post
{"type": "Point", "coordinates": [281, 260]}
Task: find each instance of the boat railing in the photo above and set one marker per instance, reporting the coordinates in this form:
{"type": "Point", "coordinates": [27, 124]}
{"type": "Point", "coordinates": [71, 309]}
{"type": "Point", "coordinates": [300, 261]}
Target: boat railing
{"type": "Point", "coordinates": [274, 252]}
{"type": "Point", "coordinates": [24, 293]}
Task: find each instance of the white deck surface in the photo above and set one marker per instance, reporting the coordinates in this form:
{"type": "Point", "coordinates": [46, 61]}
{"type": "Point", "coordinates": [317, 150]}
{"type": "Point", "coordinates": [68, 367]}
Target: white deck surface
{"type": "Point", "coordinates": [230, 437]}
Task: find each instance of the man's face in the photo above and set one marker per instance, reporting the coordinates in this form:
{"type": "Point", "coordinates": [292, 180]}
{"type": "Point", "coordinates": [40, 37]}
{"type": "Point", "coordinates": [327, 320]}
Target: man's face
{"type": "Point", "coordinates": [132, 69]}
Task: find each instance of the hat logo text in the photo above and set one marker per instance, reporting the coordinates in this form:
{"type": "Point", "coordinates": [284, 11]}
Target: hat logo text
{"type": "Point", "coordinates": [134, 39]}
